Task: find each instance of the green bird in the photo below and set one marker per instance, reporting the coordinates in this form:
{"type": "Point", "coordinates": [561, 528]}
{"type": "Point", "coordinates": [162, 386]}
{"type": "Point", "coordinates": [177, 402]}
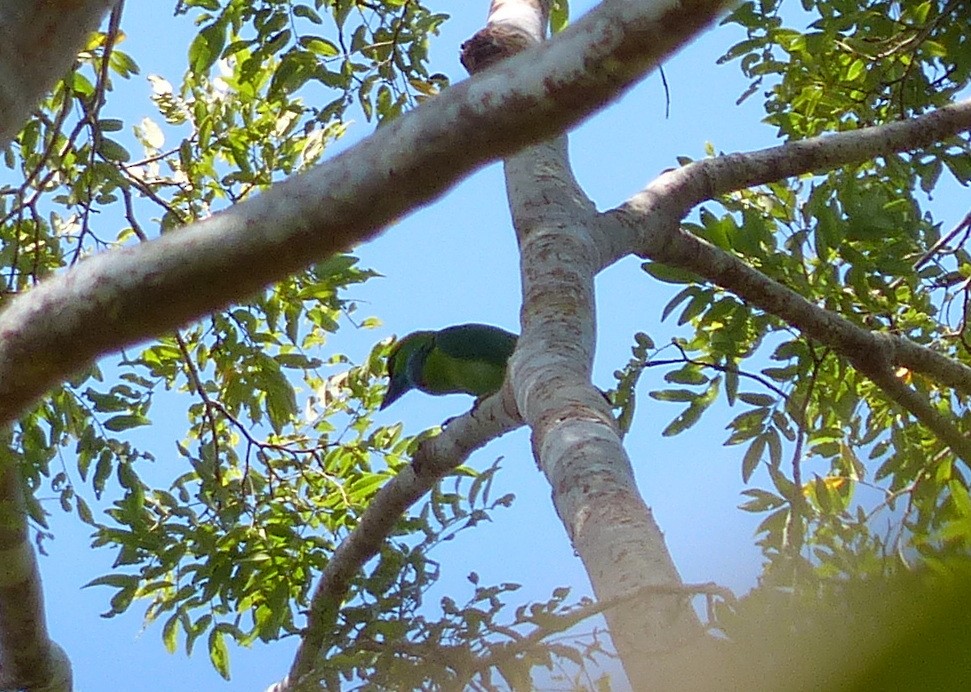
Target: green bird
{"type": "Point", "coordinates": [469, 358]}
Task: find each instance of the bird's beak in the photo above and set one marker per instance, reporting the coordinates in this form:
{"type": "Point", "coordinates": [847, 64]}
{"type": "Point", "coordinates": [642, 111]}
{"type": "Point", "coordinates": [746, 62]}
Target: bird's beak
{"type": "Point", "coordinates": [395, 389]}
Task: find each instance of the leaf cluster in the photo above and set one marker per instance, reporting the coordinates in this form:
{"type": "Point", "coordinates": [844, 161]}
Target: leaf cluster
{"type": "Point", "coordinates": [850, 485]}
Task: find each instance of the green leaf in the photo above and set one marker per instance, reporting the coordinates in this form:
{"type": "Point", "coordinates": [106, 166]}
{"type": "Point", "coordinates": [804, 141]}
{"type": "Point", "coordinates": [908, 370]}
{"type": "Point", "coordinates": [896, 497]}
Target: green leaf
{"type": "Point", "coordinates": [81, 85]}
{"type": "Point", "coordinates": [753, 455]}
{"type": "Point", "coordinates": [320, 46]}
{"type": "Point", "coordinates": [84, 512]}
{"type": "Point", "coordinates": [113, 151]}
{"type": "Point", "coordinates": [559, 15]}
{"type": "Point", "coordinates": [126, 422]}
{"type": "Point", "coordinates": [683, 295]}
{"type": "Point", "coordinates": [688, 374]}
{"type": "Point", "coordinates": [761, 501]}
{"type": "Point", "coordinates": [684, 421]}
{"type": "Point", "coordinates": [120, 581]}
{"type": "Point", "coordinates": [674, 395]}
{"type": "Point", "coordinates": [101, 473]}
{"type": "Point", "coordinates": [731, 384]}
{"type": "Point", "coordinates": [695, 307]}
{"type": "Point", "coordinates": [760, 400]}
{"type": "Point", "coordinates": [219, 653]}
{"type": "Point", "coordinates": [307, 13]}
{"type": "Point", "coordinates": [206, 48]}
{"type": "Point", "coordinates": [170, 633]}
{"type": "Point", "coordinates": [670, 275]}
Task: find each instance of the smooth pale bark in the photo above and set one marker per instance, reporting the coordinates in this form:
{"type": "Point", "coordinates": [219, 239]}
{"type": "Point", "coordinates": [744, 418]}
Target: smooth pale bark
{"type": "Point", "coordinates": [28, 658]}
{"type": "Point", "coordinates": [131, 294]}
{"type": "Point", "coordinates": [575, 438]}
{"type": "Point", "coordinates": [38, 43]}
{"type": "Point", "coordinates": [565, 242]}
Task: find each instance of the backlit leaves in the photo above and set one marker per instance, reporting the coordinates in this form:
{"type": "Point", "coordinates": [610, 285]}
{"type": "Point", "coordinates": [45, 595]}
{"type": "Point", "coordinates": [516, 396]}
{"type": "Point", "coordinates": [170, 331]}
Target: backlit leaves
{"type": "Point", "coordinates": [839, 459]}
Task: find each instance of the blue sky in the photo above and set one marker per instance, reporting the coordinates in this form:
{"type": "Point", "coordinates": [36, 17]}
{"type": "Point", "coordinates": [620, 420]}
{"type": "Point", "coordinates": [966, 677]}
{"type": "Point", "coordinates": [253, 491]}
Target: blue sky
{"type": "Point", "coordinates": [451, 262]}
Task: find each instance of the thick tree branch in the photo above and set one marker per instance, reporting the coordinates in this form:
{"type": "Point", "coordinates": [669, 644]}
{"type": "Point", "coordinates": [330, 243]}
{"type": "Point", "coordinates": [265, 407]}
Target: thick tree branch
{"type": "Point", "coordinates": [38, 41]}
{"type": "Point", "coordinates": [28, 658]}
{"type": "Point", "coordinates": [434, 458]}
{"type": "Point", "coordinates": [131, 294]}
{"type": "Point", "coordinates": [670, 197]}
{"type": "Point", "coordinates": [575, 439]}
{"type": "Point", "coordinates": [875, 355]}
{"type": "Point", "coordinates": [649, 223]}
{"type": "Point", "coordinates": [703, 180]}
{"type": "Point", "coordinates": [697, 255]}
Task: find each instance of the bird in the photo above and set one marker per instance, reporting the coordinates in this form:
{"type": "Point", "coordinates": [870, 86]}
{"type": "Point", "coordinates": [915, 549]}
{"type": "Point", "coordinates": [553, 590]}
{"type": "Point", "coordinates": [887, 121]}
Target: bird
{"type": "Point", "coordinates": [466, 358]}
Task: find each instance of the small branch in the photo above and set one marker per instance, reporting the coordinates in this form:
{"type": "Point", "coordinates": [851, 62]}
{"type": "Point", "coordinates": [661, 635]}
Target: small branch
{"type": "Point", "coordinates": [964, 225]}
{"type": "Point", "coordinates": [720, 368]}
{"type": "Point", "coordinates": [434, 458]}
{"type": "Point", "coordinates": [195, 379]}
{"type": "Point", "coordinates": [555, 623]}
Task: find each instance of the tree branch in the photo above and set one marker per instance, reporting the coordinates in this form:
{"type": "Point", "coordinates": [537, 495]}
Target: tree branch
{"type": "Point", "coordinates": [650, 222]}
{"type": "Point", "coordinates": [28, 658]}
{"type": "Point", "coordinates": [38, 41]}
{"type": "Point", "coordinates": [126, 296]}
{"type": "Point", "coordinates": [643, 223]}
{"type": "Point", "coordinates": [703, 180]}
{"type": "Point", "coordinates": [434, 458]}
{"type": "Point", "coordinates": [575, 439]}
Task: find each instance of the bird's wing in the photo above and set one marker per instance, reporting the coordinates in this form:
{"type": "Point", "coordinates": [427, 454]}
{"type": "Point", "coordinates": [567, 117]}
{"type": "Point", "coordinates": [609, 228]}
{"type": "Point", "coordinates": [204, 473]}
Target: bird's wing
{"type": "Point", "coordinates": [481, 342]}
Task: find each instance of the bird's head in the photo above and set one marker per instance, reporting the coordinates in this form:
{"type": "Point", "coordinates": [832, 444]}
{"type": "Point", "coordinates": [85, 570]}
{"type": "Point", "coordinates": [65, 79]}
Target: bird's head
{"type": "Point", "coordinates": [405, 362]}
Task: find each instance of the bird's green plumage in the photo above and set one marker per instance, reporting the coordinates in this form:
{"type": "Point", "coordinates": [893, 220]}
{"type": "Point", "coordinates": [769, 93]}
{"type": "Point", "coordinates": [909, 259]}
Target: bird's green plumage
{"type": "Point", "coordinates": [469, 358]}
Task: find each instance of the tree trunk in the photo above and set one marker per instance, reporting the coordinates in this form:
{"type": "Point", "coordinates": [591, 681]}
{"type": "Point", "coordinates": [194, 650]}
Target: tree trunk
{"type": "Point", "coordinates": [575, 439]}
